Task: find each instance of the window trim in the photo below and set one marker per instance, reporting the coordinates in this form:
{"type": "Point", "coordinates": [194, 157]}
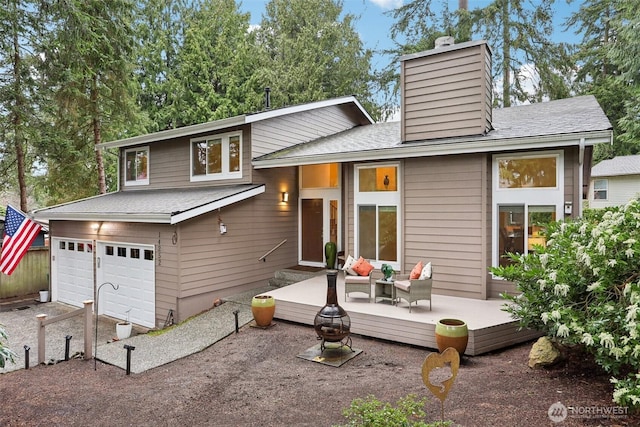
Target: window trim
{"type": "Point", "coordinates": [532, 155]}
{"type": "Point", "coordinates": [128, 182]}
{"type": "Point", "coordinates": [225, 174]}
{"type": "Point", "coordinates": [606, 189]}
{"type": "Point", "coordinates": [548, 196]}
{"type": "Point", "coordinates": [378, 199]}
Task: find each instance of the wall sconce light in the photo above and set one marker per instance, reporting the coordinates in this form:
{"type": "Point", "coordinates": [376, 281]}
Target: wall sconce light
{"type": "Point", "coordinates": [96, 226]}
{"type": "Point", "coordinates": [285, 197]}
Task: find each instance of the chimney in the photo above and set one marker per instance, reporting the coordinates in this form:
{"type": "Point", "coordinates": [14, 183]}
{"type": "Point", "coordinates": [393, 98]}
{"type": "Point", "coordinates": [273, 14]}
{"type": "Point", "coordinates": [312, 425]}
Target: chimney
{"type": "Point", "coordinates": [444, 41]}
{"type": "Point", "coordinates": [267, 98]}
{"type": "Point", "coordinates": [447, 91]}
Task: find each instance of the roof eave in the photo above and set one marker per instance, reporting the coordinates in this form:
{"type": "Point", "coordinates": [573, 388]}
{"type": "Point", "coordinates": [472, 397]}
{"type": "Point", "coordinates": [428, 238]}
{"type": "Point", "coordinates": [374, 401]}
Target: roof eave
{"type": "Point", "coordinates": [252, 118]}
{"type": "Point", "coordinates": [217, 204]}
{"type": "Point", "coordinates": [162, 218]}
{"type": "Point", "coordinates": [429, 149]}
{"type": "Point", "coordinates": [175, 133]}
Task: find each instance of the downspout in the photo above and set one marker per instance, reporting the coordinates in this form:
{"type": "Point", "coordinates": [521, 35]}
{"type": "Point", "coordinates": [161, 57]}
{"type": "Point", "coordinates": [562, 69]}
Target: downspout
{"type": "Point", "coordinates": [581, 173]}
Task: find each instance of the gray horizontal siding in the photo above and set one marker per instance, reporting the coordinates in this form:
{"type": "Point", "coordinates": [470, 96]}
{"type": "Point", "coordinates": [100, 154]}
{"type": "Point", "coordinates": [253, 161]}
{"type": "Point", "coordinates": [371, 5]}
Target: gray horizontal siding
{"type": "Point", "coordinates": [170, 164]}
{"type": "Point", "coordinates": [282, 132]}
{"type": "Point", "coordinates": [443, 221]}
{"type": "Point", "coordinates": [217, 264]}
{"type": "Point", "coordinates": [446, 94]}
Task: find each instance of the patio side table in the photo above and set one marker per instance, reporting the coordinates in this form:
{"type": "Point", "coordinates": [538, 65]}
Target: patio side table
{"type": "Point", "coordinates": [385, 290]}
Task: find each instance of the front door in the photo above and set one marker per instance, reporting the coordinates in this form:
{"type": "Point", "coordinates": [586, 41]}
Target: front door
{"type": "Point", "coordinates": [312, 233]}
{"type": "Point", "coordinates": [319, 211]}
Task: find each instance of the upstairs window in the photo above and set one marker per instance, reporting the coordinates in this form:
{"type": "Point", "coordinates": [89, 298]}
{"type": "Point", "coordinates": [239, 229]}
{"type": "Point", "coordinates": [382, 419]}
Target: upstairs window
{"type": "Point", "coordinates": [137, 166]}
{"type": "Point", "coordinates": [528, 172]}
{"type": "Point", "coordinates": [216, 157]}
{"type": "Point", "coordinates": [600, 188]}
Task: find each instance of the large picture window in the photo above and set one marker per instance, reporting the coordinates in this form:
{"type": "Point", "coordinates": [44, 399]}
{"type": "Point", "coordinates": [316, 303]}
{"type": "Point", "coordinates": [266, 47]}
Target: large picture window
{"type": "Point", "coordinates": [528, 192]}
{"type": "Point", "coordinates": [216, 157]}
{"type": "Point", "coordinates": [137, 166]}
{"type": "Point", "coordinates": [528, 172]}
{"type": "Point", "coordinates": [377, 201]}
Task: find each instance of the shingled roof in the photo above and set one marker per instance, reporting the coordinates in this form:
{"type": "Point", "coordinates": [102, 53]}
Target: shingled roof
{"type": "Point", "coordinates": [157, 206]}
{"type": "Point", "coordinates": [621, 165]}
{"type": "Point", "coordinates": [542, 125]}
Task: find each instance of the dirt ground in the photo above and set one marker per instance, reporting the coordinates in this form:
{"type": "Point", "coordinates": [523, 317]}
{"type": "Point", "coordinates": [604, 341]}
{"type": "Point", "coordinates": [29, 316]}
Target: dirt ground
{"type": "Point", "coordinates": [253, 378]}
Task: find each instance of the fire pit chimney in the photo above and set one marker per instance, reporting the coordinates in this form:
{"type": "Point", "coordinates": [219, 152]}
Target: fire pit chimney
{"type": "Point", "coordinates": [332, 323]}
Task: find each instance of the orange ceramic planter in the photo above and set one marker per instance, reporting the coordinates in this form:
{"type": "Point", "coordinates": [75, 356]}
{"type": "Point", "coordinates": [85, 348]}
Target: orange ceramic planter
{"type": "Point", "coordinates": [263, 308]}
{"type": "Point", "coordinates": [452, 333]}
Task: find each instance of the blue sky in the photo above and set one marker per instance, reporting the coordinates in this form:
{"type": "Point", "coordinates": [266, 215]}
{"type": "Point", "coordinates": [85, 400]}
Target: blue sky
{"type": "Point", "coordinates": [374, 22]}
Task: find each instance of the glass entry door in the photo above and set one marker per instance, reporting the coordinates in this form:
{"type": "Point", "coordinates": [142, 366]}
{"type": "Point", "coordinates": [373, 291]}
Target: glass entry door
{"type": "Point", "coordinates": [319, 211]}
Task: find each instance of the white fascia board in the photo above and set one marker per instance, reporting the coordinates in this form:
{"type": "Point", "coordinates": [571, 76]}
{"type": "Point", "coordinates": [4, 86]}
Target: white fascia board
{"type": "Point", "coordinates": [307, 107]}
{"type": "Point", "coordinates": [238, 197]}
{"type": "Point", "coordinates": [162, 218]}
{"type": "Point", "coordinates": [413, 150]}
{"type": "Point", "coordinates": [175, 133]}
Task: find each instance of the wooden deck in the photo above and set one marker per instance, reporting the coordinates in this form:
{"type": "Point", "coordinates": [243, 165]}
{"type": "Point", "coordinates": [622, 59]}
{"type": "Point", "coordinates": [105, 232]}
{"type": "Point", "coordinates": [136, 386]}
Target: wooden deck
{"type": "Point", "coordinates": [490, 328]}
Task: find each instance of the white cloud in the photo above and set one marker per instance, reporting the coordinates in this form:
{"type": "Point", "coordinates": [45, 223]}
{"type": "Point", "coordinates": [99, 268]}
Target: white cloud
{"type": "Point", "coordinates": [388, 4]}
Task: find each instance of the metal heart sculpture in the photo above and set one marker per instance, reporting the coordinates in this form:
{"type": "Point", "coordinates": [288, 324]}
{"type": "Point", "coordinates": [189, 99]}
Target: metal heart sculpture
{"type": "Point", "coordinates": [437, 361]}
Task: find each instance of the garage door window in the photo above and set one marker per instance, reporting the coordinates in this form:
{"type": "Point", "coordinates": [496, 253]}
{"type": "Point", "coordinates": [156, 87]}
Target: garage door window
{"type": "Point", "coordinates": [148, 255]}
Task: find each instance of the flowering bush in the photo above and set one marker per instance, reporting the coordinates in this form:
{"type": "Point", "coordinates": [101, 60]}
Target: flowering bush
{"type": "Point", "coordinates": [583, 288]}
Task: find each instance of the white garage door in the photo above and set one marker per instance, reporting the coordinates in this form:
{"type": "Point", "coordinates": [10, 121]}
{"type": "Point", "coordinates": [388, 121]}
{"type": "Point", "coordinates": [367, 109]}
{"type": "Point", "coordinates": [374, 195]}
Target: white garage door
{"type": "Point", "coordinates": [72, 270]}
{"type": "Point", "coordinates": [132, 268]}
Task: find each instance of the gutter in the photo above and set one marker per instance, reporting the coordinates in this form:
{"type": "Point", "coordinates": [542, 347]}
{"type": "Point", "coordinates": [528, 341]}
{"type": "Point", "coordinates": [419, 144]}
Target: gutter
{"type": "Point", "coordinates": [431, 149]}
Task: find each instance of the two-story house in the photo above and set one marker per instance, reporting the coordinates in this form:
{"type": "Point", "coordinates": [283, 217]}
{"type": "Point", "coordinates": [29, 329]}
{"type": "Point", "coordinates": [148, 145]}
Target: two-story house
{"type": "Point", "coordinates": [454, 182]}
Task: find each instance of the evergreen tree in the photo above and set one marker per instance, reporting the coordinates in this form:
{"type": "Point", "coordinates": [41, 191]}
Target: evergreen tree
{"type": "Point", "coordinates": [89, 71]}
{"type": "Point", "coordinates": [604, 62]}
{"type": "Point", "coordinates": [518, 34]}
{"type": "Point", "coordinates": [19, 29]}
{"type": "Point", "coordinates": [310, 53]}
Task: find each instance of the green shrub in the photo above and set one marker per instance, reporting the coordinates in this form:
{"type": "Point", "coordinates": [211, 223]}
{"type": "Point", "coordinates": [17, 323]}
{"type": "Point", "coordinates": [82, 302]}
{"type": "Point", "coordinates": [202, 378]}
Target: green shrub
{"type": "Point", "coordinates": [583, 289]}
{"type": "Point", "coordinates": [5, 352]}
{"type": "Point", "coordinates": [370, 412]}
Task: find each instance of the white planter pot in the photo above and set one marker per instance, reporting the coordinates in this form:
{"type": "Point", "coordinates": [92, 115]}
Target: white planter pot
{"type": "Point", "coordinates": [44, 296]}
{"type": "Point", "coordinates": [123, 330]}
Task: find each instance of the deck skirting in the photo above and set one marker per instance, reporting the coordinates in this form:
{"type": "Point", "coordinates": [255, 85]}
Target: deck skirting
{"type": "Point", "coordinates": [490, 328]}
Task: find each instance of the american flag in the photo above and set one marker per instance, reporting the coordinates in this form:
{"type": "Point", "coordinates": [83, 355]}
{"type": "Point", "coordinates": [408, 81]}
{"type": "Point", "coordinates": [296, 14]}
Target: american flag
{"type": "Point", "coordinates": [19, 233]}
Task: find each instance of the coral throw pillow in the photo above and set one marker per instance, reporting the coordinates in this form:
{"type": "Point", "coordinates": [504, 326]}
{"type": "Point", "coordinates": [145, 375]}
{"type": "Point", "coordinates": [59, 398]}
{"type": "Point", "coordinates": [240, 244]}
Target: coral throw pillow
{"type": "Point", "coordinates": [362, 267]}
{"type": "Point", "coordinates": [415, 273]}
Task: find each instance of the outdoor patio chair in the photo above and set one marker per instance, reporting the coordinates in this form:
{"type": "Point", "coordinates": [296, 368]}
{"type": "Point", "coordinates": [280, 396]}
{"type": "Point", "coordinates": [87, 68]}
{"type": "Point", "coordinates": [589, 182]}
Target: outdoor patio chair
{"type": "Point", "coordinates": [413, 290]}
{"type": "Point", "coordinates": [356, 283]}
{"type": "Point", "coordinates": [357, 276]}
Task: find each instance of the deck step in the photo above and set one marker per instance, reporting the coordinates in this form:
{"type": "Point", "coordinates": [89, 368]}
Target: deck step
{"type": "Point", "coordinates": [289, 276]}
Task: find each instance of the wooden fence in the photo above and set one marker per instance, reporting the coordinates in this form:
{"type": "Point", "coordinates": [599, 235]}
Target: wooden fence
{"type": "Point", "coordinates": [30, 277]}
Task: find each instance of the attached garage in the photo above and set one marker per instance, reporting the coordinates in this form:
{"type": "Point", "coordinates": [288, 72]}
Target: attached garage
{"type": "Point", "coordinates": [72, 270]}
{"type": "Point", "coordinates": [129, 266]}
{"type": "Point", "coordinates": [132, 268]}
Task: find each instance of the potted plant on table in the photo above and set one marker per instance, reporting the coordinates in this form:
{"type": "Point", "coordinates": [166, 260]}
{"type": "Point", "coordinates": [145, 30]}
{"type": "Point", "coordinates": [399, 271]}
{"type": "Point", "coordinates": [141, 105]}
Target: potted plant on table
{"type": "Point", "coordinates": [123, 329]}
{"type": "Point", "coordinates": [387, 270]}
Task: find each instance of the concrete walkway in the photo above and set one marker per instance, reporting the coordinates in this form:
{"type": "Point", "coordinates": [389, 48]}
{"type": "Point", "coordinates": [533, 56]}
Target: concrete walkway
{"type": "Point", "coordinates": [151, 350]}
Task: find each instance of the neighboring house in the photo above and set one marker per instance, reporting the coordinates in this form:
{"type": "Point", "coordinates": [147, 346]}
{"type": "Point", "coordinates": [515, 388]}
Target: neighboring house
{"type": "Point", "coordinates": [615, 181]}
{"type": "Point", "coordinates": [453, 182]}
